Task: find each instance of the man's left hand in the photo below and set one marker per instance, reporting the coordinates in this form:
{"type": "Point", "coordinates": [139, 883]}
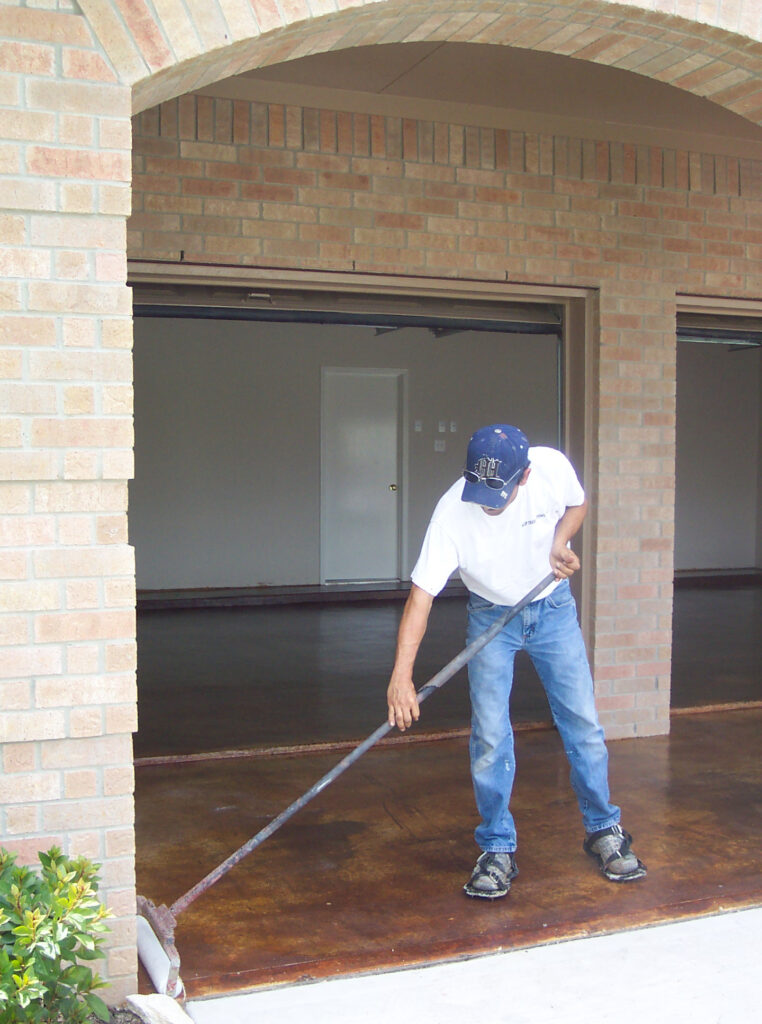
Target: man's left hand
{"type": "Point", "coordinates": [563, 562]}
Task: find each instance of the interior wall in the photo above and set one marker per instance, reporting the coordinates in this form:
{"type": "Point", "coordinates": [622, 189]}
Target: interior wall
{"type": "Point", "coordinates": [227, 436]}
{"type": "Point", "coordinates": [717, 464]}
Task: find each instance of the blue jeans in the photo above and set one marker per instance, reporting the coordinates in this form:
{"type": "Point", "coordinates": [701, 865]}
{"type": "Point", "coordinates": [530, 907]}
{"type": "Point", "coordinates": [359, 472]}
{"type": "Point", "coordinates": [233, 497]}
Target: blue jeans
{"type": "Point", "coordinates": [549, 631]}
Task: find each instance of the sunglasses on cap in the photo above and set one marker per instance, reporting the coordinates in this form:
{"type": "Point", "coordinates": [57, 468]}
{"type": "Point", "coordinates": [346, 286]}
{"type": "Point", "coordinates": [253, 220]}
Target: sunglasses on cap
{"type": "Point", "coordinates": [487, 476]}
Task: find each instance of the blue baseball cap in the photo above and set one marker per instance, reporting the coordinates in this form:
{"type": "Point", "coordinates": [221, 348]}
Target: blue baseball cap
{"type": "Point", "coordinates": [497, 456]}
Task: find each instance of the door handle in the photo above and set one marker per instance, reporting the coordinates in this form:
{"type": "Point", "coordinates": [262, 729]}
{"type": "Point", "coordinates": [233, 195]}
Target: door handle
{"type": "Point", "coordinates": [392, 487]}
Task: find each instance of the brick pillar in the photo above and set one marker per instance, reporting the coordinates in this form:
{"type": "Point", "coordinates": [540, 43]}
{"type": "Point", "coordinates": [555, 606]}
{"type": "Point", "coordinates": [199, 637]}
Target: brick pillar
{"type": "Point", "coordinates": [67, 623]}
{"type": "Point", "coordinates": [632, 611]}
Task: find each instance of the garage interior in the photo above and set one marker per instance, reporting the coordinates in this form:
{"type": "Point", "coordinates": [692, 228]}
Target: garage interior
{"type": "Point", "coordinates": [249, 693]}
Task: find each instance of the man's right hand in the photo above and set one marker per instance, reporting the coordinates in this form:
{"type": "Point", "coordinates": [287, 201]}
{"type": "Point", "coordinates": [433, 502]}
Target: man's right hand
{"type": "Point", "coordinates": [403, 703]}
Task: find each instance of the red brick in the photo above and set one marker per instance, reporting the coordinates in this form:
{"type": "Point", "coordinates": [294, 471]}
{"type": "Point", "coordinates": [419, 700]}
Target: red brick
{"type": "Point", "coordinates": [27, 58]}
{"type": "Point", "coordinates": [86, 65]}
{"type": "Point", "coordinates": [44, 26]}
{"type": "Point", "coordinates": [74, 163]}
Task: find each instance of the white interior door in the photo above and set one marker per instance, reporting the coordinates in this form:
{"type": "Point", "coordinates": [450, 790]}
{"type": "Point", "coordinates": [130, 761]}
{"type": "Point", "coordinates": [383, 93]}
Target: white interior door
{"type": "Point", "coordinates": [360, 475]}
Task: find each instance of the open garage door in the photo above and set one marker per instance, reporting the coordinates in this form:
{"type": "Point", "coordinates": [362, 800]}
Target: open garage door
{"type": "Point", "coordinates": [717, 645]}
{"type": "Point", "coordinates": [232, 392]}
{"type": "Point", "coordinates": [719, 378]}
{"type": "Point", "coordinates": [228, 504]}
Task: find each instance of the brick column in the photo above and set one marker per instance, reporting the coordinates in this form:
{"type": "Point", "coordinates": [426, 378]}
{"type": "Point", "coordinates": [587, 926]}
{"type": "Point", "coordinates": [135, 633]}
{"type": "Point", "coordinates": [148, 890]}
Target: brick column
{"type": "Point", "coordinates": [632, 610]}
{"type": "Point", "coordinates": [67, 671]}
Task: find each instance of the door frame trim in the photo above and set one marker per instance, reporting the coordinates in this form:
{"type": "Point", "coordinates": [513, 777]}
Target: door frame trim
{"type": "Point", "coordinates": [169, 272]}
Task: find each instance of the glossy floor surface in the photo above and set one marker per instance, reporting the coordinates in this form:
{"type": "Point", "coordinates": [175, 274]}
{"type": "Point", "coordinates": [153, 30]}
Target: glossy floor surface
{"type": "Point", "coordinates": [235, 678]}
{"type": "Point", "coordinates": [370, 874]}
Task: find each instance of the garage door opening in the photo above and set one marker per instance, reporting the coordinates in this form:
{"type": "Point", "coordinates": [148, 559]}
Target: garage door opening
{"type": "Point", "coordinates": [357, 880]}
{"type": "Point", "coordinates": [262, 624]}
{"type": "Point", "coordinates": [717, 650]}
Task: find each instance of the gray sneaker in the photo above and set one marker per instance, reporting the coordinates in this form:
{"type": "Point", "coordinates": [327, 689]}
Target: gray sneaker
{"type": "Point", "coordinates": [611, 848]}
{"type": "Point", "coordinates": [491, 877]}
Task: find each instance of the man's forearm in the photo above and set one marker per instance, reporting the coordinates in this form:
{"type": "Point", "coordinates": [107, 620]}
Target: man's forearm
{"type": "Point", "coordinates": [570, 523]}
{"type": "Point", "coordinates": [412, 629]}
{"type": "Point", "coordinates": [401, 697]}
{"type": "Point", "coordinates": [563, 560]}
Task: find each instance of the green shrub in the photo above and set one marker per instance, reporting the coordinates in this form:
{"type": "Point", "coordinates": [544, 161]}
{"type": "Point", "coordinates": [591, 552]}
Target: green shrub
{"type": "Point", "coordinates": [51, 926]}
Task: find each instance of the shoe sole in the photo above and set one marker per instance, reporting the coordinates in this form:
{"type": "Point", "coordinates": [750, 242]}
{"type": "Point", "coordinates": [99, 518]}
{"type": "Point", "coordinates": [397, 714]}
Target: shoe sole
{"type": "Point", "coordinates": [632, 876]}
{"type": "Point", "coordinates": [478, 894]}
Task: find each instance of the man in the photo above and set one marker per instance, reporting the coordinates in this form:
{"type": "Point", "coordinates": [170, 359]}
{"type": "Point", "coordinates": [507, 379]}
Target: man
{"type": "Point", "coordinates": [516, 513]}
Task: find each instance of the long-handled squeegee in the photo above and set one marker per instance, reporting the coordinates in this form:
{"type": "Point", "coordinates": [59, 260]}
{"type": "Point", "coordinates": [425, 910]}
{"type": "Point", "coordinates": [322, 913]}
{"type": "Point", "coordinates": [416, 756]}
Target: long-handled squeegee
{"type": "Point", "coordinates": [156, 925]}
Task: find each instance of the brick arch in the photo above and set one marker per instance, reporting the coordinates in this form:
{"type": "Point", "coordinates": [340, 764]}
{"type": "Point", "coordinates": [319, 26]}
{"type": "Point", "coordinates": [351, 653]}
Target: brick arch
{"type": "Point", "coordinates": [718, 58]}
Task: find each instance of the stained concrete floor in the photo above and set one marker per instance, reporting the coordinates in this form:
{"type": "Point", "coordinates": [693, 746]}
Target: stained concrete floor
{"type": "Point", "coordinates": [368, 876]}
{"type": "Point", "coordinates": [235, 678]}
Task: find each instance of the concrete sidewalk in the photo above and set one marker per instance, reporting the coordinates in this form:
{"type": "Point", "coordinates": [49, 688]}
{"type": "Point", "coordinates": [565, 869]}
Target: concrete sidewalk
{"type": "Point", "coordinates": [703, 971]}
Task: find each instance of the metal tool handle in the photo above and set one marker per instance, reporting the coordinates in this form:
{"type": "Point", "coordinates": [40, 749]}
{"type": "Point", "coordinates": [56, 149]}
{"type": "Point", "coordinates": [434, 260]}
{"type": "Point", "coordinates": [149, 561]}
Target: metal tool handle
{"type": "Point", "coordinates": [425, 691]}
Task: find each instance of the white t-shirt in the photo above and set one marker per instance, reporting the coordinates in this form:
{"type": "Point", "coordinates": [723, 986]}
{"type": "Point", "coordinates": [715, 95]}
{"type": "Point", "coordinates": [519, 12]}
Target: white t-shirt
{"type": "Point", "coordinates": [500, 558]}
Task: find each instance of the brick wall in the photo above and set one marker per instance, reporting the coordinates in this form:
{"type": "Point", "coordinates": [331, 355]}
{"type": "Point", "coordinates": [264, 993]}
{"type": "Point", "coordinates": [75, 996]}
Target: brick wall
{"type": "Point", "coordinates": [226, 182]}
{"type": "Point", "coordinates": [67, 669]}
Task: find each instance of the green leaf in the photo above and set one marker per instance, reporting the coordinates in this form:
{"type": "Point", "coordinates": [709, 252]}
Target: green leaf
{"type": "Point", "coordinates": [49, 922]}
{"type": "Point", "coordinates": [97, 1006]}
{"type": "Point", "coordinates": [91, 954]}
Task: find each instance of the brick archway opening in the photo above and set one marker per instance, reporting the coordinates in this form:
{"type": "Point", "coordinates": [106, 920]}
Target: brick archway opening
{"type": "Point", "coordinates": [664, 221]}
